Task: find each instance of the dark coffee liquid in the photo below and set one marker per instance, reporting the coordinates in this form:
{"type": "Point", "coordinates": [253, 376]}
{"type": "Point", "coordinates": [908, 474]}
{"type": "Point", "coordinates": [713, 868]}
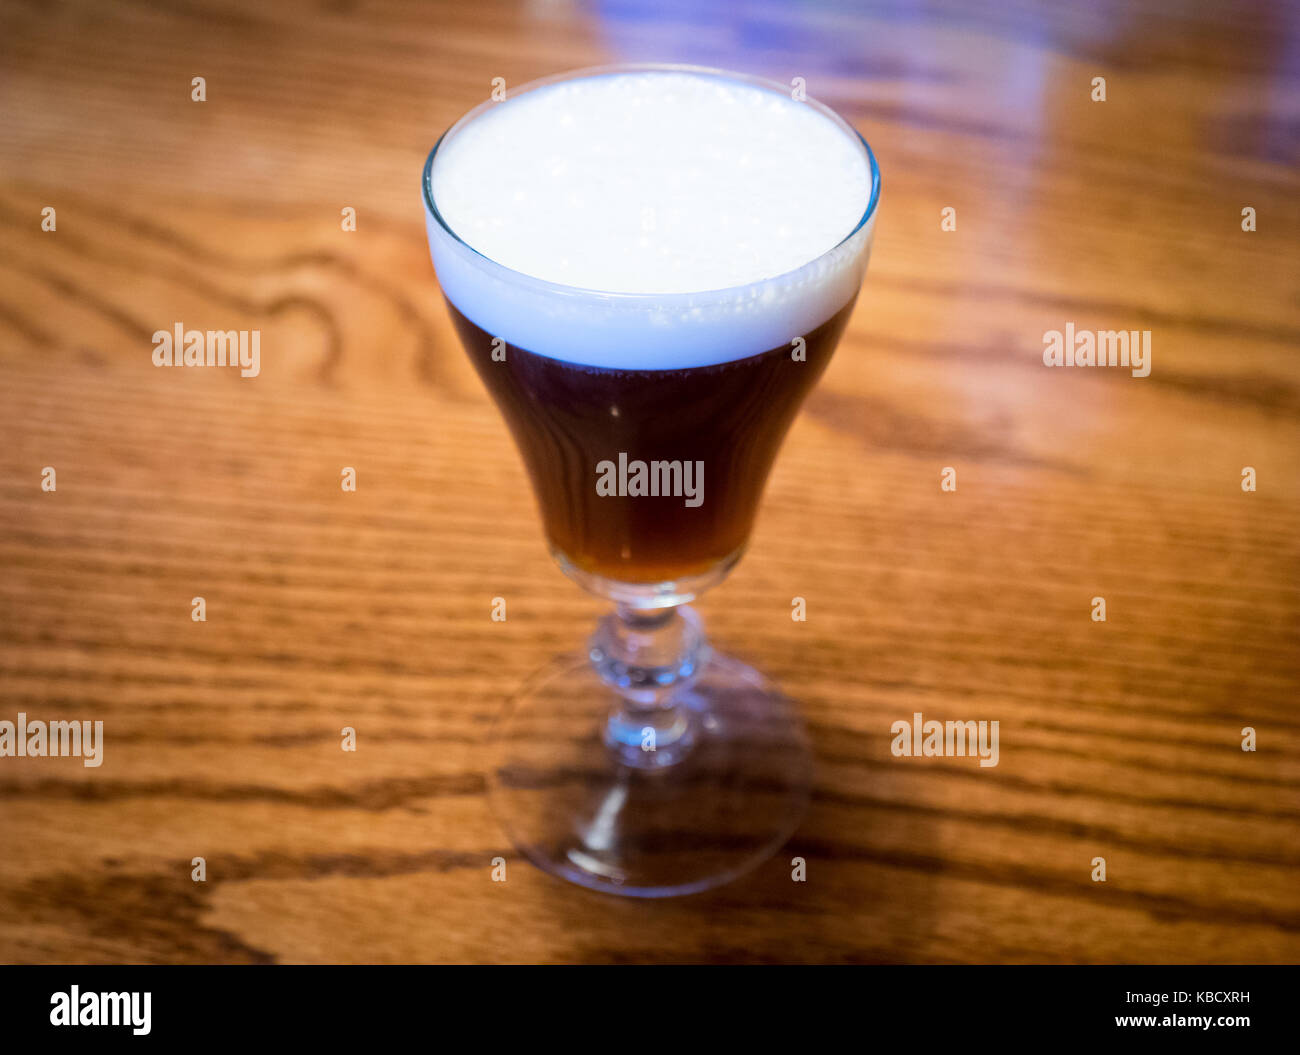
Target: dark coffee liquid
{"type": "Point", "coordinates": [568, 418]}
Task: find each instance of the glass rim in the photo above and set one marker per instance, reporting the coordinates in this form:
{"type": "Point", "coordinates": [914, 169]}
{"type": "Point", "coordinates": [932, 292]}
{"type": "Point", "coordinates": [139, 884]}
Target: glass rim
{"type": "Point", "coordinates": [520, 277]}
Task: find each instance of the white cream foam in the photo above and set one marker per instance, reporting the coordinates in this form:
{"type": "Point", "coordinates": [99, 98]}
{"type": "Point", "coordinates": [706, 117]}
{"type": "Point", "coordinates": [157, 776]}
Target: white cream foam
{"type": "Point", "coordinates": [650, 219]}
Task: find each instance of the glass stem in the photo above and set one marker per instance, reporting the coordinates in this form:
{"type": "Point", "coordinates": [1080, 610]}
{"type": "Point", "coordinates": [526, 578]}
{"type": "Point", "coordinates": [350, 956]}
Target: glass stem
{"type": "Point", "coordinates": [649, 657]}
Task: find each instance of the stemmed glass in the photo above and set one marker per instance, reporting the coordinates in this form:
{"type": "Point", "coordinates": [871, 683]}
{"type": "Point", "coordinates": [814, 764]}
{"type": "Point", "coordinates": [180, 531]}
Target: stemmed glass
{"type": "Point", "coordinates": [649, 764]}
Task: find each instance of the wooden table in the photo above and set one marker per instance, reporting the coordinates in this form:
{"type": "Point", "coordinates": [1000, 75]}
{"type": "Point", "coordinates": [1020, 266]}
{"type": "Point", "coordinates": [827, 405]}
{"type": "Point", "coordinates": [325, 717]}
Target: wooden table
{"type": "Point", "coordinates": [1119, 739]}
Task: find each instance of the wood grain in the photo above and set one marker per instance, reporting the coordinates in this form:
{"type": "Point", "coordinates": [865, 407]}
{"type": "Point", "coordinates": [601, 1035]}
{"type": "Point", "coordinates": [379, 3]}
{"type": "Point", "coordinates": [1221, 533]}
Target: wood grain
{"type": "Point", "coordinates": [1119, 740]}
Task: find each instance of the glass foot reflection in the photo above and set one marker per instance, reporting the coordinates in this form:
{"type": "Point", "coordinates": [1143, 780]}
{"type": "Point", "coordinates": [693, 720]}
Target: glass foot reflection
{"type": "Point", "coordinates": [701, 792]}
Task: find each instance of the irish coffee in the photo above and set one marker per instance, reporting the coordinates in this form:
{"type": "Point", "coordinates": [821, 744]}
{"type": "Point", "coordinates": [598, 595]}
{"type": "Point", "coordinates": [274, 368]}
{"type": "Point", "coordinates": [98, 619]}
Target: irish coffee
{"type": "Point", "coordinates": [649, 268]}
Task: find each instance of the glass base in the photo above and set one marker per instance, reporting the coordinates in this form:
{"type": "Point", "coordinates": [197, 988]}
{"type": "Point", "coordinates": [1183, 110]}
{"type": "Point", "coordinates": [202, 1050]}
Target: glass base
{"type": "Point", "coordinates": [714, 785]}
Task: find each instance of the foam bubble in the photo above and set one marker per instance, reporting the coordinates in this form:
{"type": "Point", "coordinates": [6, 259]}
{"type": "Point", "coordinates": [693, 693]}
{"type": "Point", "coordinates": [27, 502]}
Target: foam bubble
{"type": "Point", "coordinates": [689, 218]}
